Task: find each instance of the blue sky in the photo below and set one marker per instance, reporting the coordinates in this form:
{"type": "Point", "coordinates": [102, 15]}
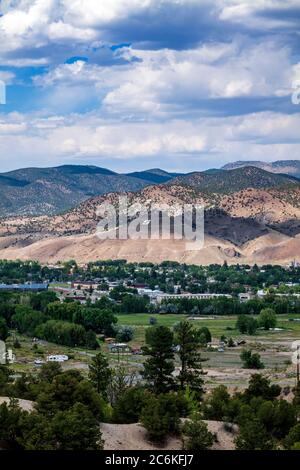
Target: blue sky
{"type": "Point", "coordinates": [132, 84]}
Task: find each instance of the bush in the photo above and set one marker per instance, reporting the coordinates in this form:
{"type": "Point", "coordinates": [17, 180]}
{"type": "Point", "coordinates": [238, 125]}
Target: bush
{"type": "Point", "coordinates": [204, 335]}
{"type": "Point", "coordinates": [160, 416]}
{"type": "Point", "coordinates": [293, 437]}
{"type": "Point", "coordinates": [129, 406]}
{"type": "Point", "coordinates": [124, 334]}
{"type": "Point", "coordinates": [246, 325]}
{"type": "Point", "coordinates": [267, 318]}
{"type": "Point", "coordinates": [251, 361]}
{"type": "Point", "coordinates": [196, 435]}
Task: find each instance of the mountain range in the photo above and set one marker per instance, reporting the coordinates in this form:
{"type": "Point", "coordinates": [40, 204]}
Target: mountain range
{"type": "Point", "coordinates": [49, 191]}
{"type": "Point", "coordinates": [252, 216]}
{"type": "Point", "coordinates": [37, 191]}
{"type": "Point", "coordinates": [289, 167]}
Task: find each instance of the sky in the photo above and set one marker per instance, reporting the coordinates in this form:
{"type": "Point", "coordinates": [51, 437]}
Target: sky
{"type": "Point", "coordinates": [183, 85]}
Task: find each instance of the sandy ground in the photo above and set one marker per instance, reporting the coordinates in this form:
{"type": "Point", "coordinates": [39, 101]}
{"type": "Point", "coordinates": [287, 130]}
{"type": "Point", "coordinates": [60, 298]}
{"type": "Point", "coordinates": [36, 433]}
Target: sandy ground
{"type": "Point", "coordinates": [86, 248]}
{"type": "Point", "coordinates": [133, 437]}
{"type": "Point", "coordinates": [26, 405]}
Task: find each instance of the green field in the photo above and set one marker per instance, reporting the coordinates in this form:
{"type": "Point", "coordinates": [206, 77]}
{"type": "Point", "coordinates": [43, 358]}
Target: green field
{"type": "Point", "coordinates": [273, 346]}
{"type": "Point", "coordinates": [218, 326]}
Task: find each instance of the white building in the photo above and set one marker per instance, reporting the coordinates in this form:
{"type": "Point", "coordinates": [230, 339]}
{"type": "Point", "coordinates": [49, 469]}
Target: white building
{"type": "Point", "coordinates": [245, 296]}
{"type": "Point", "coordinates": [58, 358]}
{"type": "Point", "coordinates": [206, 296]}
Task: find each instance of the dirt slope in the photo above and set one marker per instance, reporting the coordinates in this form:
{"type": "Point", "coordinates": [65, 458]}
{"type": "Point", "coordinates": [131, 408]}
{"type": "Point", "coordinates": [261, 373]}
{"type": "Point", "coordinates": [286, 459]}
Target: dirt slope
{"type": "Point", "coordinates": [133, 437]}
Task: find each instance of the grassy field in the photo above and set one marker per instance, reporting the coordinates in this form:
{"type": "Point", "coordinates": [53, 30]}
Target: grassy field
{"type": "Point", "coordinates": [273, 346]}
{"type": "Point", "coordinates": [218, 326]}
{"type": "Point", "coordinates": [227, 368]}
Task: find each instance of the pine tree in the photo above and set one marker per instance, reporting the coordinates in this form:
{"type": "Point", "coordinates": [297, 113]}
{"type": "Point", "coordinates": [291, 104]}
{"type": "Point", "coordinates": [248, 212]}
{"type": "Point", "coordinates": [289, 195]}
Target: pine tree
{"type": "Point", "coordinates": [159, 366]}
{"type": "Point", "coordinates": [190, 358]}
{"type": "Point", "coordinates": [100, 373]}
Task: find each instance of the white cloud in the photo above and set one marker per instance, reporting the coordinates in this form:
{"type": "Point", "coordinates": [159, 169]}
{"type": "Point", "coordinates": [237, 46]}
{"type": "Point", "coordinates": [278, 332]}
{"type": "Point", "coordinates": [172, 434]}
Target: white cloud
{"type": "Point", "coordinates": [166, 83]}
{"type": "Point", "coordinates": [188, 144]}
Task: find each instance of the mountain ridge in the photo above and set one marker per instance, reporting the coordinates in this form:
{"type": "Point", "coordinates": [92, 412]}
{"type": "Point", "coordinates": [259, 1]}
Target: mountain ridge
{"type": "Point", "coordinates": [289, 167]}
{"type": "Point", "coordinates": [50, 191]}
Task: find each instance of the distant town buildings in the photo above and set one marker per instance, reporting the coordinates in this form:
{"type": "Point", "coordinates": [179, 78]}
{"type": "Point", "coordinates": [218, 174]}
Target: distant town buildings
{"type": "Point", "coordinates": [24, 287]}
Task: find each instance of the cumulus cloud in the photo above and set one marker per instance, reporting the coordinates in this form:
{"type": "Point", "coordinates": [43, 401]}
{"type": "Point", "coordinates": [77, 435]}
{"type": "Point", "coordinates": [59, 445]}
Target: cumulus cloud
{"type": "Point", "coordinates": [165, 83]}
{"type": "Point", "coordinates": [184, 145]}
{"type": "Point", "coordinates": [178, 83]}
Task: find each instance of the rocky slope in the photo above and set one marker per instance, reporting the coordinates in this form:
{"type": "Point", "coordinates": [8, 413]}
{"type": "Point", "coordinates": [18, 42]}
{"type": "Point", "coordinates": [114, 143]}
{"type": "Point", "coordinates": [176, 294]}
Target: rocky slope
{"type": "Point", "coordinates": [288, 167]}
{"type": "Point", "coordinates": [242, 226]}
{"type": "Point", "coordinates": [37, 191]}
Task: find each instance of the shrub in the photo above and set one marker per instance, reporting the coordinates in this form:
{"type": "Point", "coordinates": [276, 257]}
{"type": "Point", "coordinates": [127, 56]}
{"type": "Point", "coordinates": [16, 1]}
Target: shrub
{"type": "Point", "coordinates": [251, 361]}
{"type": "Point", "coordinates": [196, 434]}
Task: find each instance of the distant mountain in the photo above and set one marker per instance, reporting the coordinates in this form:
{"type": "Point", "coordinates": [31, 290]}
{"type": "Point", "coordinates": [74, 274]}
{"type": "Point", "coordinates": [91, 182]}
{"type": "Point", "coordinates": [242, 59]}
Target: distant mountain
{"type": "Point", "coordinates": [155, 175]}
{"type": "Point", "coordinates": [37, 191]}
{"type": "Point", "coordinates": [246, 226]}
{"type": "Point", "coordinates": [288, 167]}
{"type": "Point", "coordinates": [226, 182]}
{"type": "Point", "coordinates": [50, 191]}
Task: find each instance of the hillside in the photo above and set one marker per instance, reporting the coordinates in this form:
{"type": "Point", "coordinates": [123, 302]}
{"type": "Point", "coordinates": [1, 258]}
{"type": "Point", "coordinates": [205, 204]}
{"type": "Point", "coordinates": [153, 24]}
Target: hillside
{"type": "Point", "coordinates": [155, 175]}
{"type": "Point", "coordinates": [244, 226]}
{"type": "Point", "coordinates": [36, 191]}
{"type": "Point", "coordinates": [50, 191]}
{"type": "Point", "coordinates": [288, 167]}
{"type": "Point", "coordinates": [226, 182]}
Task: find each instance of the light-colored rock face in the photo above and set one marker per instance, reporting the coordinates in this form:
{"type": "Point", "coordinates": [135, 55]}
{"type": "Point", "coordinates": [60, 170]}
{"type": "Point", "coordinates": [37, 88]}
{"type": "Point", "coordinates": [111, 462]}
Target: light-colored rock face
{"type": "Point", "coordinates": [89, 248]}
{"type": "Point", "coordinates": [253, 226]}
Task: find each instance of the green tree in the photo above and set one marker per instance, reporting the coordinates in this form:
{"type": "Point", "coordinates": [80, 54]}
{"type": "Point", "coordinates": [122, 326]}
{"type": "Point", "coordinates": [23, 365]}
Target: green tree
{"type": "Point", "coordinates": [77, 429]}
{"type": "Point", "coordinates": [196, 434]}
{"type": "Point", "coordinates": [124, 334]}
{"type": "Point", "coordinates": [278, 417]}
{"type": "Point", "coordinates": [3, 330]}
{"type": "Point", "coordinates": [190, 374]}
{"type": "Point", "coordinates": [253, 436]}
{"type": "Point", "coordinates": [130, 404]}
{"type": "Point", "coordinates": [10, 420]}
{"type": "Point", "coordinates": [216, 404]}
{"type": "Point", "coordinates": [267, 318]}
{"type": "Point", "coordinates": [159, 365]}
{"type": "Point", "coordinates": [251, 360]}
{"type": "Point", "coordinates": [242, 324]}
{"type": "Point", "coordinates": [100, 373]}
{"type": "Point", "coordinates": [66, 390]}
{"type": "Point", "coordinates": [49, 371]}
{"type": "Point", "coordinates": [293, 437]}
{"type": "Point", "coordinates": [72, 429]}
{"type": "Point", "coordinates": [260, 386]}
{"type": "Point", "coordinates": [204, 335]}
{"type": "Point", "coordinates": [246, 324]}
{"type": "Point", "coordinates": [160, 416]}
{"type": "Point", "coordinates": [5, 378]}
{"type": "Point", "coordinates": [91, 340]}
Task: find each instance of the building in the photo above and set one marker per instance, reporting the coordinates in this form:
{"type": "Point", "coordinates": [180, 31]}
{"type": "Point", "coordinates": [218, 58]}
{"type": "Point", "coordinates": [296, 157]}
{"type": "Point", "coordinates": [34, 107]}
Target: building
{"type": "Point", "coordinates": [57, 358]}
{"type": "Point", "coordinates": [85, 285]}
{"type": "Point", "coordinates": [245, 296]}
{"type": "Point", "coordinates": [161, 297]}
{"type": "Point", "coordinates": [152, 294]}
{"type": "Point", "coordinates": [119, 348]}
{"type": "Point", "coordinates": [30, 287]}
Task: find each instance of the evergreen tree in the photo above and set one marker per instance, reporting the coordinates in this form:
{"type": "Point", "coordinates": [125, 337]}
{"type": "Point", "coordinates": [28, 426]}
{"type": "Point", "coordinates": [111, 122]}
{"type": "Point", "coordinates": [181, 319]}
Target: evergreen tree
{"type": "Point", "coordinates": [159, 366]}
{"type": "Point", "coordinates": [197, 436]}
{"type": "Point", "coordinates": [100, 373]}
{"type": "Point", "coordinates": [253, 436]}
{"type": "Point", "coordinates": [190, 359]}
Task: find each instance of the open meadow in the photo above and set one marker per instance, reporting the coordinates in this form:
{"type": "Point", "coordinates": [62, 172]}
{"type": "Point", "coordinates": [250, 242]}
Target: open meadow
{"type": "Point", "coordinates": [275, 348]}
